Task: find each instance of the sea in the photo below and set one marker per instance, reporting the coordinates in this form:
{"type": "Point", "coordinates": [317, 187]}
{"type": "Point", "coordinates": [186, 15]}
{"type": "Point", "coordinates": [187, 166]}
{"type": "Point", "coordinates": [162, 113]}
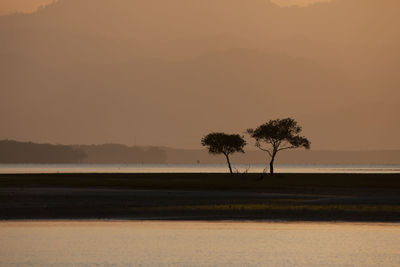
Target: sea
{"type": "Point", "coordinates": [191, 168]}
{"type": "Point", "coordinates": [171, 243]}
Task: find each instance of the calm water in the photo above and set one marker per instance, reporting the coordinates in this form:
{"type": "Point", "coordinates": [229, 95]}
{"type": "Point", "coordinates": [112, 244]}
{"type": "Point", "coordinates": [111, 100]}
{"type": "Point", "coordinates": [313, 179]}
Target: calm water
{"type": "Point", "coordinates": [146, 243]}
{"type": "Point", "coordinates": [190, 168]}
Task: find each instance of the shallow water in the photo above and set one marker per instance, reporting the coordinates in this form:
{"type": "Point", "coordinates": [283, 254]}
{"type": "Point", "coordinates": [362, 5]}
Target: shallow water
{"type": "Point", "coordinates": [152, 243]}
{"type": "Point", "coordinates": [191, 168]}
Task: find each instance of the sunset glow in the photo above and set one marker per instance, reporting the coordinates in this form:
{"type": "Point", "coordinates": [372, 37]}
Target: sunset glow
{"type": "Point", "coordinates": [200, 133]}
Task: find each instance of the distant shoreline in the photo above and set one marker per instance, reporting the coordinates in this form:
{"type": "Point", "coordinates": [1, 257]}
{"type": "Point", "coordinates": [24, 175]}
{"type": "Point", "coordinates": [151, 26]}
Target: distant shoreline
{"type": "Point", "coordinates": [204, 197]}
{"type": "Point", "coordinates": [192, 168]}
{"type": "Point", "coordinates": [16, 152]}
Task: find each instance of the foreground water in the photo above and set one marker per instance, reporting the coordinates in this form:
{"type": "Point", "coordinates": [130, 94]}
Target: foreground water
{"type": "Point", "coordinates": [191, 168]}
{"type": "Point", "coordinates": [146, 243]}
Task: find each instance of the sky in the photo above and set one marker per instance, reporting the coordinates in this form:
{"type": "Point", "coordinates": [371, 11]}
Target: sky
{"type": "Point", "coordinates": [167, 73]}
{"type": "Point", "coordinates": [25, 6]}
{"type": "Point", "coordinates": [28, 6]}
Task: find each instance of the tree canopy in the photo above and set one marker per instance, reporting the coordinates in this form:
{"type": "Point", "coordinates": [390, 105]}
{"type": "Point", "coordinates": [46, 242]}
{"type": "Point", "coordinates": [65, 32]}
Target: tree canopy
{"type": "Point", "coordinates": [222, 143]}
{"type": "Point", "coordinates": [277, 135]}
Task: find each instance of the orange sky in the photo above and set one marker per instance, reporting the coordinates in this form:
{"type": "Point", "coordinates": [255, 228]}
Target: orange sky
{"type": "Point", "coordinates": [165, 73]}
{"type": "Point", "coordinates": [27, 6]}
{"type": "Point", "coordinates": [297, 2]}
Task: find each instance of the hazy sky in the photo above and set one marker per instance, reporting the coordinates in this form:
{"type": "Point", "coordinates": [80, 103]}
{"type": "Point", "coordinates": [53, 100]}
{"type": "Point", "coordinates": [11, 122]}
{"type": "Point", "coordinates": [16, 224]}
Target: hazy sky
{"type": "Point", "coordinates": [27, 6]}
{"type": "Point", "coordinates": [159, 72]}
{"type": "Point", "coordinates": [10, 6]}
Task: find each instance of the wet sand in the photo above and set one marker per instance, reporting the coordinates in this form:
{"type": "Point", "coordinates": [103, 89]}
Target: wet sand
{"type": "Point", "coordinates": [291, 197]}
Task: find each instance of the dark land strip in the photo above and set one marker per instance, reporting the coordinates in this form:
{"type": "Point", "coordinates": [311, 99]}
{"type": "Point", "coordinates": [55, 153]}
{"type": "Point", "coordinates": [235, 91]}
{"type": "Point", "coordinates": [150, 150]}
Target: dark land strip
{"type": "Point", "coordinates": [292, 197]}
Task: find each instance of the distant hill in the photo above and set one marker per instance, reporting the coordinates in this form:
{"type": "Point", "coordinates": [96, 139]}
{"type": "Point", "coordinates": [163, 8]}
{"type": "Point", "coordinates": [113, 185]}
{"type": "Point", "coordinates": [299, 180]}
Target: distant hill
{"type": "Point", "coordinates": [27, 152]}
{"type": "Point", "coordinates": [116, 153]}
{"type": "Point", "coordinates": [82, 71]}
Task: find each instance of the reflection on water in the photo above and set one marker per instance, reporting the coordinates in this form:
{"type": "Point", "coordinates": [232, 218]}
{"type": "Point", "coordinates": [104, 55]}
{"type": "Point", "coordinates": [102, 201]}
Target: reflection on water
{"type": "Point", "coordinates": [190, 168]}
{"type": "Point", "coordinates": [198, 244]}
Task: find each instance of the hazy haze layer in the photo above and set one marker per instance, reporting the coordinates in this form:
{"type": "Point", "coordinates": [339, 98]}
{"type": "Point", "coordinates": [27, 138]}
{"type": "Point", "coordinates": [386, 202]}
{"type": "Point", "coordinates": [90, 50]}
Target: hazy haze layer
{"type": "Point", "coordinates": [167, 72]}
{"type": "Point", "coordinates": [24, 6]}
{"type": "Point", "coordinates": [27, 6]}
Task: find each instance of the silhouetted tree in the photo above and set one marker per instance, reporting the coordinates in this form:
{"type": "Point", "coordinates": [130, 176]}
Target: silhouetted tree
{"type": "Point", "coordinates": [277, 135]}
{"type": "Point", "coordinates": [222, 143]}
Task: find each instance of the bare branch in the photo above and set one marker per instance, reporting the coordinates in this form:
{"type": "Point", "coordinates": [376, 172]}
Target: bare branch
{"type": "Point", "coordinates": [288, 147]}
{"type": "Point", "coordinates": [264, 149]}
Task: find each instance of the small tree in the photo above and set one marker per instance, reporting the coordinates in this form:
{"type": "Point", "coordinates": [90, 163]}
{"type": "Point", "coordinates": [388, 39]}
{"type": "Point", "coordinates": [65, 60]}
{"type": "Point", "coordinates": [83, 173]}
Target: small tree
{"type": "Point", "coordinates": [277, 135]}
{"type": "Point", "coordinates": [222, 143]}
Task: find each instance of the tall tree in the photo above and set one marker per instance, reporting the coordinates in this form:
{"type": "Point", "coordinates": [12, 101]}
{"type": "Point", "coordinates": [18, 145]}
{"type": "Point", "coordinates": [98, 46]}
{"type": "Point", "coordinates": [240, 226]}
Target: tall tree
{"type": "Point", "coordinates": [222, 143]}
{"type": "Point", "coordinates": [277, 135]}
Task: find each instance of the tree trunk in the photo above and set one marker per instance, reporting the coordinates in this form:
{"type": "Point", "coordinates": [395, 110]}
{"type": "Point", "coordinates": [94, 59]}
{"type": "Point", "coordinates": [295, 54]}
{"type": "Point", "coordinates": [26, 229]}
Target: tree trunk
{"type": "Point", "coordinates": [271, 165]}
{"type": "Point", "coordinates": [229, 163]}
